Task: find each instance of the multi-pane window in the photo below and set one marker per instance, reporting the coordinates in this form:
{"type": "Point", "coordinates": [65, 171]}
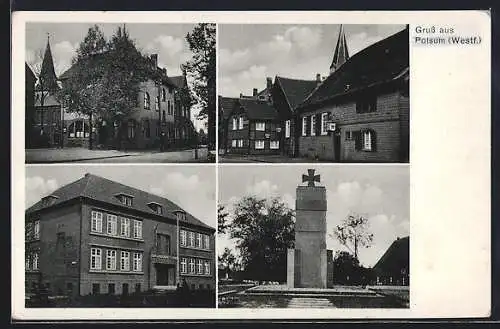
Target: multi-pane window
{"type": "Point", "coordinates": [137, 229]}
{"type": "Point", "coordinates": [304, 126]}
{"type": "Point", "coordinates": [199, 266]}
{"type": "Point", "coordinates": [111, 260]}
{"type": "Point", "coordinates": [36, 230]}
{"type": "Point", "coordinates": [191, 239]}
{"type": "Point", "coordinates": [287, 129]}
{"type": "Point", "coordinates": [27, 261]}
{"type": "Point", "coordinates": [233, 142]}
{"type": "Point", "coordinates": [207, 267]}
{"type": "Point", "coordinates": [367, 104]}
{"type": "Point", "coordinates": [324, 123]}
{"type": "Point", "coordinates": [274, 145]}
{"type": "Point", "coordinates": [235, 123]}
{"type": "Point", "coordinates": [260, 126]}
{"type": "Point", "coordinates": [96, 221]}
{"type": "Point", "coordinates": [163, 95]}
{"type": "Point", "coordinates": [111, 224]}
{"type": "Point", "coordinates": [207, 242]}
{"type": "Point", "coordinates": [95, 259]}
{"type": "Point", "coordinates": [126, 200]}
{"type": "Point", "coordinates": [259, 144]}
{"type": "Point", "coordinates": [191, 265]}
{"type": "Point", "coordinates": [240, 123]}
{"type": "Point", "coordinates": [35, 261]}
{"type": "Point", "coordinates": [367, 140]}
{"type": "Point", "coordinates": [313, 125]}
{"type": "Point", "coordinates": [146, 101]}
{"type": "Point", "coordinates": [125, 227]}
{"type": "Point", "coordinates": [183, 265]}
{"type": "Point", "coordinates": [240, 142]}
{"type": "Point", "coordinates": [137, 266]}
{"type": "Point", "coordinates": [125, 261]}
{"type": "Point", "coordinates": [198, 240]}
{"type": "Point", "coordinates": [183, 238]}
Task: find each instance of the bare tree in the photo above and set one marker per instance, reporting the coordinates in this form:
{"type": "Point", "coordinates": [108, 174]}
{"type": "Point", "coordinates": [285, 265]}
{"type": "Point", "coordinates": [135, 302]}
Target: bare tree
{"type": "Point", "coordinates": [354, 232]}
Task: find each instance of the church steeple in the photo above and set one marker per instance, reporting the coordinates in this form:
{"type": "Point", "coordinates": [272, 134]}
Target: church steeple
{"type": "Point", "coordinates": [341, 54]}
{"type": "Point", "coordinates": [47, 78]}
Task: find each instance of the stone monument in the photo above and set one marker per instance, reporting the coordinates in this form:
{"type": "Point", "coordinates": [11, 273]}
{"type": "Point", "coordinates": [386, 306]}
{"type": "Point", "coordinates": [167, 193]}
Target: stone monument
{"type": "Point", "coordinates": [308, 264]}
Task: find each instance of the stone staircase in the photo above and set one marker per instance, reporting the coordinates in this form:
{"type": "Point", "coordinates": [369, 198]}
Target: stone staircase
{"type": "Point", "coordinates": [301, 302]}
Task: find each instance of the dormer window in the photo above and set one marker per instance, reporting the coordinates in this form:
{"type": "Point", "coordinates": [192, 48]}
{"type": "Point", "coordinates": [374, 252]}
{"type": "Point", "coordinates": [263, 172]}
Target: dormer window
{"type": "Point", "coordinates": [180, 215]}
{"type": "Point", "coordinates": [125, 199]}
{"type": "Point", "coordinates": [157, 208]}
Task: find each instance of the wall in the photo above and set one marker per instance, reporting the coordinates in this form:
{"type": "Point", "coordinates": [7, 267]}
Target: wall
{"type": "Point", "coordinates": [238, 133]}
{"type": "Point", "coordinates": [196, 280]}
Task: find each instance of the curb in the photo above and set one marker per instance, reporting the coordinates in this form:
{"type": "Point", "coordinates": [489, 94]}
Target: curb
{"type": "Point", "coordinates": [84, 159]}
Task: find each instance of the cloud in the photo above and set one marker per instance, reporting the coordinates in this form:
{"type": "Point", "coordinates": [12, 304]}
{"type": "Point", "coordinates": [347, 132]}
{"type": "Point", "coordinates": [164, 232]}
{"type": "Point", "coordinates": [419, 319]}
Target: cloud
{"type": "Point", "coordinates": [172, 52]}
{"type": "Point", "coordinates": [63, 53]}
{"type": "Point", "coordinates": [304, 39]}
{"type": "Point", "coordinates": [360, 41]}
{"type": "Point", "coordinates": [38, 187]}
{"type": "Point", "coordinates": [233, 61]}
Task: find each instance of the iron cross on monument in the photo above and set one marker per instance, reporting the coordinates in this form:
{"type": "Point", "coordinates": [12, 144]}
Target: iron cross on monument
{"type": "Point", "coordinates": [310, 178]}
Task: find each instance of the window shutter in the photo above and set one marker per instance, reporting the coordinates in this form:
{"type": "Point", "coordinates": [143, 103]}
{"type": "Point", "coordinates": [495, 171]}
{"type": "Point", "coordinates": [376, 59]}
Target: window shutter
{"type": "Point", "coordinates": [357, 139]}
{"type": "Point", "coordinates": [374, 140]}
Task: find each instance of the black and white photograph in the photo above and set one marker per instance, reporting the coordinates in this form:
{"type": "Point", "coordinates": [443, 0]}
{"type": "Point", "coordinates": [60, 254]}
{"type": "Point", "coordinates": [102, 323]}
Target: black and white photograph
{"type": "Point", "coordinates": [313, 93]}
{"type": "Point", "coordinates": [120, 236]}
{"type": "Point", "coordinates": [118, 92]}
{"type": "Point", "coordinates": [313, 237]}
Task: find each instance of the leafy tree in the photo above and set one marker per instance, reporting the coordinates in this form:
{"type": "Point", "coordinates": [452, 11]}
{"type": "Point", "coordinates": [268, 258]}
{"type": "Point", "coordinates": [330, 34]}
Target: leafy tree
{"type": "Point", "coordinates": [263, 230]}
{"type": "Point", "coordinates": [353, 232]}
{"type": "Point", "coordinates": [201, 68]}
{"type": "Point", "coordinates": [227, 260]}
{"type": "Point", "coordinates": [222, 224]}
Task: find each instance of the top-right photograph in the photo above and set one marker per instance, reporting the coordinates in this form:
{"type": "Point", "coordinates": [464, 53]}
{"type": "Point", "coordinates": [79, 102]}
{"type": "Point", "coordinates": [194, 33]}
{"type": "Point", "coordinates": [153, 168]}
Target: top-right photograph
{"type": "Point", "coordinates": [313, 93]}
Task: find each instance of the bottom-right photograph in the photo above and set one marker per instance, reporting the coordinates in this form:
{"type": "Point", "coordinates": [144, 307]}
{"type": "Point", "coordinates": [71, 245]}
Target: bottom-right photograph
{"type": "Point", "coordinates": [313, 236]}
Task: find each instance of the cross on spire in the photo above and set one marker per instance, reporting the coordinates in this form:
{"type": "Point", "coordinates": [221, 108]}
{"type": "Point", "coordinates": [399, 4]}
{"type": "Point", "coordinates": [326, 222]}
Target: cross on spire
{"type": "Point", "coordinates": [310, 178]}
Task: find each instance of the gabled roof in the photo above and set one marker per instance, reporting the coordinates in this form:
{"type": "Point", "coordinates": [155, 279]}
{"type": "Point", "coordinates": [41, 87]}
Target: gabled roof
{"type": "Point", "coordinates": [226, 105]}
{"type": "Point", "coordinates": [29, 71]}
{"type": "Point", "coordinates": [105, 190]}
{"type": "Point", "coordinates": [257, 109]}
{"type": "Point", "coordinates": [396, 257]}
{"type": "Point", "coordinates": [179, 81]}
{"type": "Point", "coordinates": [296, 90]}
{"type": "Point", "coordinates": [382, 62]}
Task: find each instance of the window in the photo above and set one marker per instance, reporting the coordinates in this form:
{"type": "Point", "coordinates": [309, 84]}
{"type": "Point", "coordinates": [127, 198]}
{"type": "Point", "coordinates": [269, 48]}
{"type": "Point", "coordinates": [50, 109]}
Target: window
{"type": "Point", "coordinates": [131, 129]}
{"type": "Point", "coordinates": [324, 123]}
{"type": "Point", "coordinates": [183, 238]}
{"type": "Point", "coordinates": [198, 240]}
{"type": "Point", "coordinates": [95, 259]}
{"type": "Point", "coordinates": [111, 288]}
{"type": "Point", "coordinates": [304, 126]}
{"type": "Point", "coordinates": [313, 125]}
{"type": "Point", "coordinates": [191, 239]}
{"type": "Point", "coordinates": [183, 265]}
{"type": "Point", "coordinates": [125, 227]}
{"type": "Point", "coordinates": [36, 230]}
{"type": "Point", "coordinates": [35, 261]}
{"type": "Point", "coordinates": [157, 103]}
{"type": "Point", "coordinates": [207, 242]}
{"type": "Point", "coordinates": [367, 104]}
{"type": "Point", "coordinates": [125, 261]}
{"type": "Point", "coordinates": [287, 129]}
{"type": "Point", "coordinates": [111, 224]}
{"type": "Point", "coordinates": [164, 116]}
{"type": "Point", "coordinates": [191, 265]}
{"type": "Point", "coordinates": [260, 126]}
{"type": "Point", "coordinates": [137, 265]}
{"type": "Point", "coordinates": [137, 229]}
{"type": "Point", "coordinates": [168, 108]}
{"type": "Point", "coordinates": [233, 142]}
{"type": "Point", "coordinates": [240, 123]}
{"type": "Point", "coordinates": [126, 200]}
{"type": "Point", "coordinates": [367, 140]}
{"type": "Point", "coordinates": [207, 267]}
{"type": "Point", "coordinates": [199, 266]}
{"type": "Point", "coordinates": [147, 129]}
{"type": "Point", "coordinates": [163, 95]}
{"type": "Point", "coordinates": [240, 142]}
{"type": "Point", "coordinates": [137, 287]}
{"type": "Point", "coordinates": [159, 210]}
{"type": "Point", "coordinates": [124, 288]}
{"type": "Point", "coordinates": [78, 129]}
{"type": "Point", "coordinates": [111, 260]}
{"type": "Point", "coordinates": [96, 288]}
{"type": "Point", "coordinates": [348, 135]}
{"type": "Point", "coordinates": [235, 123]}
{"type": "Point", "coordinates": [27, 263]}
{"type": "Point", "coordinates": [274, 145]}
{"type": "Point", "coordinates": [259, 145]}
{"type": "Point", "coordinates": [146, 101]}
{"type": "Point", "coordinates": [96, 221]}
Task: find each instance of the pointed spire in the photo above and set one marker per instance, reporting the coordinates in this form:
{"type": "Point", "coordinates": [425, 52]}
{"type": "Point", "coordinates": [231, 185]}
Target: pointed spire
{"type": "Point", "coordinates": [341, 54]}
{"type": "Point", "coordinates": [48, 78]}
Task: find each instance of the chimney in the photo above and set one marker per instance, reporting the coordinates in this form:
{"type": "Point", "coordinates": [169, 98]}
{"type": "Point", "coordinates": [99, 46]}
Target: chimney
{"type": "Point", "coordinates": [154, 59]}
{"type": "Point", "coordinates": [241, 95]}
{"type": "Point", "coordinates": [254, 92]}
{"type": "Point", "coordinates": [269, 83]}
{"type": "Point", "coordinates": [164, 70]}
{"type": "Point", "coordinates": [318, 78]}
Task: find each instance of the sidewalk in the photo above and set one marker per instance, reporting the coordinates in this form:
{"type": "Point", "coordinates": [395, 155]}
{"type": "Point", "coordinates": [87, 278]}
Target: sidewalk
{"type": "Point", "coordinates": [228, 158]}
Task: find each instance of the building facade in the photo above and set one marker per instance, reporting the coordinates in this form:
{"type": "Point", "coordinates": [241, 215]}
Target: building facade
{"type": "Point", "coordinates": [96, 236]}
{"type": "Point", "coordinates": [393, 268]}
{"type": "Point", "coordinates": [29, 103]}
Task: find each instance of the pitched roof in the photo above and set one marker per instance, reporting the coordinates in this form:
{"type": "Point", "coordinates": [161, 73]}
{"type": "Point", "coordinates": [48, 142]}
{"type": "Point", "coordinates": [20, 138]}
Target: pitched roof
{"type": "Point", "coordinates": [396, 257]}
{"type": "Point", "coordinates": [341, 54]}
{"type": "Point", "coordinates": [379, 63]}
{"type": "Point", "coordinates": [257, 109]}
{"type": "Point", "coordinates": [29, 71]}
{"type": "Point", "coordinates": [226, 105]}
{"type": "Point", "coordinates": [296, 90]}
{"type": "Point", "coordinates": [179, 81]}
{"type": "Point", "coordinates": [47, 72]}
{"type": "Point", "coordinates": [101, 189]}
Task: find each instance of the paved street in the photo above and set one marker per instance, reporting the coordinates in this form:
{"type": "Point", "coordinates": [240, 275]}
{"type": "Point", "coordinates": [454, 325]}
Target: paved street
{"type": "Point", "coordinates": [244, 158]}
{"type": "Point", "coordinates": [83, 155]}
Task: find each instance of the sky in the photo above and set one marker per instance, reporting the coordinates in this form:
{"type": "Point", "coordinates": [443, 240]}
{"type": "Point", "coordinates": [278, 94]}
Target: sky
{"type": "Point", "coordinates": [191, 187]}
{"type": "Point", "coordinates": [249, 53]}
{"type": "Point", "coordinates": [380, 192]}
{"type": "Point", "coordinates": [166, 40]}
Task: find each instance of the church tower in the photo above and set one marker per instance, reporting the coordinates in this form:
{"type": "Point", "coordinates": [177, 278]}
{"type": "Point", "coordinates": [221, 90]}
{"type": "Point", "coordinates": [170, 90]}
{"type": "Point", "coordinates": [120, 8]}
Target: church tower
{"type": "Point", "coordinates": [341, 54]}
{"type": "Point", "coordinates": [47, 78]}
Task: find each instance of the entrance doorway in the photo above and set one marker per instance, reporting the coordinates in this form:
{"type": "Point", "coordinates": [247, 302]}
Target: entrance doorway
{"type": "Point", "coordinates": [162, 275]}
{"type": "Point", "coordinates": [336, 145]}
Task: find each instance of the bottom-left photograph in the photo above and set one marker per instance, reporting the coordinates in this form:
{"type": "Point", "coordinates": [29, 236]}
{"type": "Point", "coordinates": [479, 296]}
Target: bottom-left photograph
{"type": "Point", "coordinates": [120, 236]}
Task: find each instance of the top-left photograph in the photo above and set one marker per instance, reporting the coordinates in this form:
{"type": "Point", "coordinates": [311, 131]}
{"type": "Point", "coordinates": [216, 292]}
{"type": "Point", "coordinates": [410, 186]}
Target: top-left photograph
{"type": "Point", "coordinates": [120, 92]}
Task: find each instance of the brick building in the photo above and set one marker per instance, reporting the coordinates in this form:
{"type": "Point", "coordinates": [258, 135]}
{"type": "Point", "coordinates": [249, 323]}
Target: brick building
{"type": "Point", "coordinates": [97, 236]}
{"type": "Point", "coordinates": [367, 100]}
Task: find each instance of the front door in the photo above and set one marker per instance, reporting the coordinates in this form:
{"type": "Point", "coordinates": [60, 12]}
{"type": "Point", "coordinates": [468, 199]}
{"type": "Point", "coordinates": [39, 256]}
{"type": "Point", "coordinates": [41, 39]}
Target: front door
{"type": "Point", "coordinates": [336, 145]}
{"type": "Point", "coordinates": [161, 274]}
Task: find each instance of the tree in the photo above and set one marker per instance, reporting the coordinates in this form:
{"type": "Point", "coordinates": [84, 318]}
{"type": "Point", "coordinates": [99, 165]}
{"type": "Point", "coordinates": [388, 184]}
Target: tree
{"type": "Point", "coordinates": [227, 260]}
{"type": "Point", "coordinates": [353, 232]}
{"type": "Point", "coordinates": [222, 214]}
{"type": "Point", "coordinates": [201, 68]}
{"type": "Point", "coordinates": [264, 231]}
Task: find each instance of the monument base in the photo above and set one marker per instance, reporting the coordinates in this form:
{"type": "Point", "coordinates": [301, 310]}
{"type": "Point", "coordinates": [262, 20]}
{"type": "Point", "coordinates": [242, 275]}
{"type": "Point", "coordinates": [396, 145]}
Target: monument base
{"type": "Point", "coordinates": [296, 274]}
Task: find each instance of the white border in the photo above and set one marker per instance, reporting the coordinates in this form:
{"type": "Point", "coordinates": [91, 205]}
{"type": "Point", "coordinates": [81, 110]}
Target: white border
{"type": "Point", "coordinates": [450, 167]}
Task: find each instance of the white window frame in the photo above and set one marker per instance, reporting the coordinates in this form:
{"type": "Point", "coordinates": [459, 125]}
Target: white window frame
{"type": "Point", "coordinates": [96, 225]}
{"type": "Point", "coordinates": [111, 260]}
{"type": "Point", "coordinates": [126, 200]}
{"type": "Point", "coordinates": [287, 128]}
{"type": "Point", "coordinates": [260, 126]}
{"type": "Point", "coordinates": [191, 239]}
{"type": "Point", "coordinates": [137, 229]}
{"type": "Point", "coordinates": [235, 123]}
{"type": "Point", "coordinates": [367, 140]}
{"type": "Point", "coordinates": [183, 238]}
{"type": "Point", "coordinates": [304, 126]}
{"type": "Point", "coordinates": [324, 119]}
{"type": "Point", "coordinates": [36, 229]}
{"type": "Point", "coordinates": [192, 268]}
{"type": "Point", "coordinates": [259, 144]}
{"type": "Point", "coordinates": [125, 261]}
{"type": "Point", "coordinates": [35, 261]}
{"type": "Point", "coordinates": [125, 227]}
{"type": "Point", "coordinates": [137, 262]}
{"type": "Point", "coordinates": [233, 142]}
{"type": "Point", "coordinates": [313, 125]}
{"type": "Point", "coordinates": [27, 263]}
{"type": "Point", "coordinates": [199, 241]}
{"type": "Point", "coordinates": [206, 244]}
{"type": "Point", "coordinates": [95, 258]}
{"type": "Point", "coordinates": [240, 142]}
{"type": "Point", "coordinates": [111, 223]}
{"type": "Point", "coordinates": [199, 266]}
{"type": "Point", "coordinates": [207, 267]}
{"type": "Point", "coordinates": [240, 123]}
{"type": "Point", "coordinates": [183, 265]}
{"type": "Point", "coordinates": [274, 145]}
